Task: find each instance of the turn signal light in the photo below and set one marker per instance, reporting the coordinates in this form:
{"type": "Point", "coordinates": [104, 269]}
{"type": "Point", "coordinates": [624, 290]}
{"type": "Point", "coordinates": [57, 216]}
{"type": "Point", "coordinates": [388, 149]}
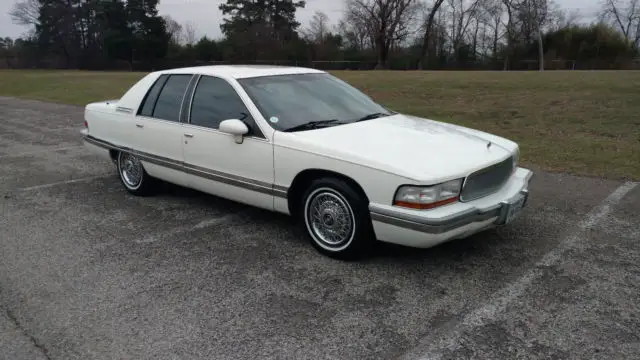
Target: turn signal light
{"type": "Point", "coordinates": [425, 206]}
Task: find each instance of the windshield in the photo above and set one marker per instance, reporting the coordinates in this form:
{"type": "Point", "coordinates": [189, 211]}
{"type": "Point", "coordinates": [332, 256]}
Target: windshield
{"type": "Point", "coordinates": [288, 101]}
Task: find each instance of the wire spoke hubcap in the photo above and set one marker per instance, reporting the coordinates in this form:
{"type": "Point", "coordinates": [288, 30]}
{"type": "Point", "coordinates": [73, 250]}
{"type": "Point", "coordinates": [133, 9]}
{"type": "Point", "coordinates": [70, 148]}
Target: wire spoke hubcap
{"type": "Point", "coordinates": [330, 219]}
{"type": "Point", "coordinates": [131, 170]}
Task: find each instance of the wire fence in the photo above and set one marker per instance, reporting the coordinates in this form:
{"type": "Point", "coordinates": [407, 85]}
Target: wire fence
{"type": "Point", "coordinates": [337, 65]}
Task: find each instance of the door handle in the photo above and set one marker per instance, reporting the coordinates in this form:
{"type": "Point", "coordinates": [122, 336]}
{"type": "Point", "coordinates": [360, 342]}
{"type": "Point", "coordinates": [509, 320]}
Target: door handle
{"type": "Point", "coordinates": [188, 135]}
{"type": "Point", "coordinates": [139, 125]}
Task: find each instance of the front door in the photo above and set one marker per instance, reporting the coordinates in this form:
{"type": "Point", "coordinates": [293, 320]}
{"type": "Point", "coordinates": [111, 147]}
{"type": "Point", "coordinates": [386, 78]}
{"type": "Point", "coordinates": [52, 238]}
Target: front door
{"type": "Point", "coordinates": [215, 162]}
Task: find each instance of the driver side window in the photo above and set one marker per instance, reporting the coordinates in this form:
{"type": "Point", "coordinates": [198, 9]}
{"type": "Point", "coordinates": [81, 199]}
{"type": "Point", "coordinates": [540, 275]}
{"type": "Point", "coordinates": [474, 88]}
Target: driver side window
{"type": "Point", "coordinates": [214, 101]}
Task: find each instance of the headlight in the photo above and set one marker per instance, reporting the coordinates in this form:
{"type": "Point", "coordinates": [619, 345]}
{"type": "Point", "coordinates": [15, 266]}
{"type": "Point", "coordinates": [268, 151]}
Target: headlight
{"type": "Point", "coordinates": [428, 197]}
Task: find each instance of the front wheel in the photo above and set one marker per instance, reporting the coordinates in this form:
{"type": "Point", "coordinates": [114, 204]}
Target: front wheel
{"type": "Point", "coordinates": [336, 218]}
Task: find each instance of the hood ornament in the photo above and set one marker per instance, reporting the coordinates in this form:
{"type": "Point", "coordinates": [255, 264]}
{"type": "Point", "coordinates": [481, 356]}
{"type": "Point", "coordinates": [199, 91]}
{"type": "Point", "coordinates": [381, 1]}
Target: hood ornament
{"type": "Point", "coordinates": [489, 145]}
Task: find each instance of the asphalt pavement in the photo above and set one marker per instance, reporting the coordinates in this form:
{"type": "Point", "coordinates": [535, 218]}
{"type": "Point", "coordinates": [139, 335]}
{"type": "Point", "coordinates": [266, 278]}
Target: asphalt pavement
{"type": "Point", "coordinates": [88, 271]}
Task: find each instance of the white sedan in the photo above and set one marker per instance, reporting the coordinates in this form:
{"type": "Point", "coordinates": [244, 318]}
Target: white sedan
{"type": "Point", "coordinates": [305, 143]}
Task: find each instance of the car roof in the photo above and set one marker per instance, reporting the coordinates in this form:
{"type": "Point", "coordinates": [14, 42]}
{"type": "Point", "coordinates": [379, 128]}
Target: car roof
{"type": "Point", "coordinates": [243, 71]}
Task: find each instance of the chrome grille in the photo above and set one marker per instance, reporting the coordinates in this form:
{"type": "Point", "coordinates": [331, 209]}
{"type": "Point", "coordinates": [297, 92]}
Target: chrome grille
{"type": "Point", "coordinates": [486, 181]}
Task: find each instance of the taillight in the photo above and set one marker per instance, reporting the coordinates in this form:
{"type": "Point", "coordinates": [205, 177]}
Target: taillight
{"type": "Point", "coordinates": [86, 124]}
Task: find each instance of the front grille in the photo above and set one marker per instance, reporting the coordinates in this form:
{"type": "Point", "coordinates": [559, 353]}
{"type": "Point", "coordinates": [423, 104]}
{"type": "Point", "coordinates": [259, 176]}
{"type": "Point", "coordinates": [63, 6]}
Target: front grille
{"type": "Point", "coordinates": [486, 181]}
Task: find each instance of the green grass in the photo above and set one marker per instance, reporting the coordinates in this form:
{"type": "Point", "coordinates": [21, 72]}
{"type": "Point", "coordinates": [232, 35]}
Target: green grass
{"type": "Point", "coordinates": [585, 123]}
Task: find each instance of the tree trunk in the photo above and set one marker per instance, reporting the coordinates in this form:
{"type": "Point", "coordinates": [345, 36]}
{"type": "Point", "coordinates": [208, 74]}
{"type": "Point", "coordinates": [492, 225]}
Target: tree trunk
{"type": "Point", "coordinates": [427, 34]}
{"type": "Point", "coordinates": [383, 51]}
{"type": "Point", "coordinates": [540, 49]}
{"type": "Point", "coordinates": [425, 43]}
{"type": "Point", "coordinates": [507, 4]}
{"type": "Point", "coordinates": [495, 43]}
{"type": "Point", "coordinates": [475, 40]}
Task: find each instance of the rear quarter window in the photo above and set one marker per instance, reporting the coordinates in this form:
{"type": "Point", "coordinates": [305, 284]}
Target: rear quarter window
{"type": "Point", "coordinates": [149, 101]}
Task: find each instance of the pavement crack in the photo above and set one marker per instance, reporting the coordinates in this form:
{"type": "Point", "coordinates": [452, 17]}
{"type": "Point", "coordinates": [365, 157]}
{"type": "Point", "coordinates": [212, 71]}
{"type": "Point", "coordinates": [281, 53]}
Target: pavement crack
{"type": "Point", "coordinates": [34, 341]}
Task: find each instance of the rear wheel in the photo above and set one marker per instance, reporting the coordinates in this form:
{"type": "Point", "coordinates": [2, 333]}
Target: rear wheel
{"type": "Point", "coordinates": [133, 176]}
{"type": "Point", "coordinates": [336, 219]}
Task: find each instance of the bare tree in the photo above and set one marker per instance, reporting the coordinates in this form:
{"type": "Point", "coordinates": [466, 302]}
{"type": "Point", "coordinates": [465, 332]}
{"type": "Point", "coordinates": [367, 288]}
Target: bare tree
{"type": "Point", "coordinates": [174, 29]}
{"type": "Point", "coordinates": [25, 12]}
{"type": "Point", "coordinates": [355, 32]}
{"type": "Point", "coordinates": [494, 13]}
{"type": "Point", "coordinates": [526, 21]}
{"type": "Point", "coordinates": [318, 28]}
{"type": "Point", "coordinates": [389, 22]}
{"type": "Point", "coordinates": [356, 29]}
{"type": "Point", "coordinates": [625, 14]}
{"type": "Point", "coordinates": [561, 18]}
{"type": "Point", "coordinates": [536, 13]}
{"type": "Point", "coordinates": [510, 30]}
{"type": "Point", "coordinates": [428, 28]}
{"type": "Point", "coordinates": [189, 34]}
{"type": "Point", "coordinates": [462, 14]}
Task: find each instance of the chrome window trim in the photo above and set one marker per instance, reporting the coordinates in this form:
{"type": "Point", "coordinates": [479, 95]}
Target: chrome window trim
{"type": "Point", "coordinates": [158, 120]}
{"type": "Point", "coordinates": [184, 95]}
{"type": "Point", "coordinates": [188, 90]}
{"type": "Point", "coordinates": [193, 93]}
{"type": "Point", "coordinates": [217, 131]}
{"type": "Point", "coordinates": [253, 117]}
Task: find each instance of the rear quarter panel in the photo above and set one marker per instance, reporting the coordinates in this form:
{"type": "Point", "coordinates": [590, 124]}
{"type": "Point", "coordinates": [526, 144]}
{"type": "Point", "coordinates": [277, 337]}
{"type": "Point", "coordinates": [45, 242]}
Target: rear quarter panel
{"type": "Point", "coordinates": [107, 124]}
{"type": "Point", "coordinates": [114, 121]}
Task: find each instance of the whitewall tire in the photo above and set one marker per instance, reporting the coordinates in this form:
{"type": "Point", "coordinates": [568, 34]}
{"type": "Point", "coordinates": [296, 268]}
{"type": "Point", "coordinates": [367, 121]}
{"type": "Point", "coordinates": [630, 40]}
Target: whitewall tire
{"type": "Point", "coordinates": [336, 219]}
{"type": "Point", "coordinates": [133, 176]}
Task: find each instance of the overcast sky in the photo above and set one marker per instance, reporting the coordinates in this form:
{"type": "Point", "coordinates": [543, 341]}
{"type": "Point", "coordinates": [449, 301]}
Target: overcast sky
{"type": "Point", "coordinates": [205, 16]}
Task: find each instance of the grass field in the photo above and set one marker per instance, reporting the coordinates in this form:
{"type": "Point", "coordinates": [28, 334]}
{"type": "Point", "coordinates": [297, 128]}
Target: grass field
{"type": "Point", "coordinates": [585, 123]}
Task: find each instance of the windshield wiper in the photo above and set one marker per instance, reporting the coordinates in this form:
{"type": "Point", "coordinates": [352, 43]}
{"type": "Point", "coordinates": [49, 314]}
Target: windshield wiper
{"type": "Point", "coordinates": [372, 116]}
{"type": "Point", "coordinates": [313, 125]}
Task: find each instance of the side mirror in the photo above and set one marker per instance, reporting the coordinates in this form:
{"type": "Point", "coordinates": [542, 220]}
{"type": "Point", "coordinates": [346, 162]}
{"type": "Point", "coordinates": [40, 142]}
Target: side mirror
{"type": "Point", "coordinates": [235, 127]}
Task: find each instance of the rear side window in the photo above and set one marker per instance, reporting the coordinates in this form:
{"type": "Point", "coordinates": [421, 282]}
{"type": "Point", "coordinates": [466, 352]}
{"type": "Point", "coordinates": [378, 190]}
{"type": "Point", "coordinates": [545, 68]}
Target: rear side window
{"type": "Point", "coordinates": [167, 106]}
{"type": "Point", "coordinates": [150, 99]}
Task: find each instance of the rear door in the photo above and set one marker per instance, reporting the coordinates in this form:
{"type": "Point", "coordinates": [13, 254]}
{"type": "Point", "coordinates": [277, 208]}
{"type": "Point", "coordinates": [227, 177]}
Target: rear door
{"type": "Point", "coordinates": [158, 130]}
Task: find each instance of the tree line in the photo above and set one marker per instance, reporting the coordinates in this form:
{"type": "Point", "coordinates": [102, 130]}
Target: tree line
{"type": "Point", "coordinates": [370, 34]}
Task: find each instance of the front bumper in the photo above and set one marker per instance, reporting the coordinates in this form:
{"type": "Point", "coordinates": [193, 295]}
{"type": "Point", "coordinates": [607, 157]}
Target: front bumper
{"type": "Point", "coordinates": [427, 228]}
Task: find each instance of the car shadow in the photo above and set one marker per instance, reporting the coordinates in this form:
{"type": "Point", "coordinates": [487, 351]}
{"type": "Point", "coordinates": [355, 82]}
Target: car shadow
{"type": "Point", "coordinates": [476, 245]}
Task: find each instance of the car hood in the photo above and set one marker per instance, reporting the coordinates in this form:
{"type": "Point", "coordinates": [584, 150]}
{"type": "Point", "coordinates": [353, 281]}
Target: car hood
{"type": "Point", "coordinates": [416, 148]}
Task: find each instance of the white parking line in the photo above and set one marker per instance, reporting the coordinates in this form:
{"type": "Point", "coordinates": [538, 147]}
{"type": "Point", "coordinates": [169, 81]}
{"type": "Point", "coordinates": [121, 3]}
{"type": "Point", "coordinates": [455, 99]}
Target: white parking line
{"type": "Point", "coordinates": [74, 128]}
{"type": "Point", "coordinates": [447, 338]}
{"type": "Point", "coordinates": [72, 181]}
{"type": "Point", "coordinates": [183, 229]}
{"type": "Point", "coordinates": [27, 153]}
{"type": "Point", "coordinates": [38, 129]}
